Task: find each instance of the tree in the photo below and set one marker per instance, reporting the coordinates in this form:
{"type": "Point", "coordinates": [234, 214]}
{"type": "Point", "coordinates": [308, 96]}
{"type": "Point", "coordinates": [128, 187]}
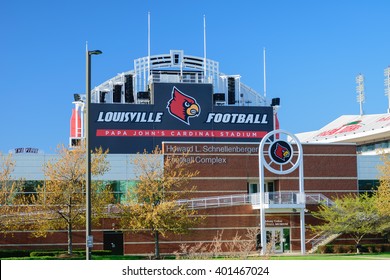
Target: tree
{"type": "Point", "coordinates": [355, 215]}
{"type": "Point", "coordinates": [152, 205]}
{"type": "Point", "coordinates": [60, 202]}
{"type": "Point", "coordinates": [382, 195]}
{"type": "Point", "coordinates": [9, 193]}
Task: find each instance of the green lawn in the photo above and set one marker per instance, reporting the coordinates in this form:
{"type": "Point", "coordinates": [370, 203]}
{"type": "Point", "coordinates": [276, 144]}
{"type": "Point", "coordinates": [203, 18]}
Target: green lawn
{"type": "Point", "coordinates": [377, 256]}
{"type": "Point", "coordinates": [366, 256]}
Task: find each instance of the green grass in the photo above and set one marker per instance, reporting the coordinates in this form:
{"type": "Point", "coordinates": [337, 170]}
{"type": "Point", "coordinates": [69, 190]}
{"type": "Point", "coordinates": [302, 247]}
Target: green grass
{"type": "Point", "coordinates": [366, 256]}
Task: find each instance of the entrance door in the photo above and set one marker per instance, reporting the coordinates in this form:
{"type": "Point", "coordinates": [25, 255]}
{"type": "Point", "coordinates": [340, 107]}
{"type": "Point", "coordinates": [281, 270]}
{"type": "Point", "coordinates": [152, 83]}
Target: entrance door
{"type": "Point", "coordinates": [113, 240]}
{"type": "Point", "coordinates": [275, 240]}
{"type": "Point", "coordinates": [286, 240]}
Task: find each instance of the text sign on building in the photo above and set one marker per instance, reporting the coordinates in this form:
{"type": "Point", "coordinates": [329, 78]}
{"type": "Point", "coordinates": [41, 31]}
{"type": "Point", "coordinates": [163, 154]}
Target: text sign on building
{"type": "Point", "coordinates": [212, 153]}
{"type": "Point", "coordinates": [179, 112]}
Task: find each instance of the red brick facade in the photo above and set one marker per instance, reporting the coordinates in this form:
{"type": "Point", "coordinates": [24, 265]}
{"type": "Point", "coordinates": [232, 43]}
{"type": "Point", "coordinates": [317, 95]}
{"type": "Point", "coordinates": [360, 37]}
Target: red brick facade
{"type": "Point", "coordinates": [225, 169]}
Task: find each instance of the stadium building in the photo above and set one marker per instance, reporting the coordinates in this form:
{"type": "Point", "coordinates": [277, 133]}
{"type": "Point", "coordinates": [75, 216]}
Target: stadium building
{"type": "Point", "coordinates": [184, 103]}
{"type": "Point", "coordinates": [370, 133]}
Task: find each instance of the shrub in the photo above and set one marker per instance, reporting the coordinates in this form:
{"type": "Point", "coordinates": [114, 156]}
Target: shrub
{"type": "Point", "coordinates": [350, 249]}
{"type": "Point", "coordinates": [378, 248]}
{"type": "Point", "coordinates": [14, 253]}
{"type": "Point", "coordinates": [371, 249]}
{"type": "Point", "coordinates": [45, 253]}
{"type": "Point", "coordinates": [55, 253]}
{"type": "Point", "coordinates": [100, 252]}
{"type": "Point", "coordinates": [365, 248]}
{"type": "Point", "coordinates": [338, 249]}
{"type": "Point", "coordinates": [325, 249]}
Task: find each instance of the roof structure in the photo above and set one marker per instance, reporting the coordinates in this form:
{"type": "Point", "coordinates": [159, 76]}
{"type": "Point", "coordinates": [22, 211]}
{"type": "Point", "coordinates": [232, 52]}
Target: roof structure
{"type": "Point", "coordinates": [177, 67]}
{"type": "Point", "coordinates": [359, 129]}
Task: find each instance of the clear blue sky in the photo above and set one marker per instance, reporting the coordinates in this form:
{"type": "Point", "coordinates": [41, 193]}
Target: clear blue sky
{"type": "Point", "coordinates": [314, 51]}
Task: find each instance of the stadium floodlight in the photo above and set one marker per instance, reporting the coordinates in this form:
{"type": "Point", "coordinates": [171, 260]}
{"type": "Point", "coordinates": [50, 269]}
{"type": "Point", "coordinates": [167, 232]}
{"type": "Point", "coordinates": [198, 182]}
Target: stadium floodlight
{"type": "Point", "coordinates": [88, 233]}
{"type": "Point", "coordinates": [95, 52]}
{"type": "Point", "coordinates": [387, 86]}
{"type": "Point", "coordinates": [77, 97]}
{"type": "Point", "coordinates": [360, 91]}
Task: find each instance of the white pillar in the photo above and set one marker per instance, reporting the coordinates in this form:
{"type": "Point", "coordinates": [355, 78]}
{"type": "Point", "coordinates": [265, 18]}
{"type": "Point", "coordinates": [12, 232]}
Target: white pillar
{"type": "Point", "coordinates": [302, 212]}
{"type": "Point", "coordinates": [263, 239]}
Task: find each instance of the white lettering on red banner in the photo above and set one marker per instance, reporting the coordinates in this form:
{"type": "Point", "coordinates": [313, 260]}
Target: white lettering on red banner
{"type": "Point", "coordinates": [179, 133]}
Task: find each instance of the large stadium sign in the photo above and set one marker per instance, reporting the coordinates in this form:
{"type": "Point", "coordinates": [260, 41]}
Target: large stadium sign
{"type": "Point", "coordinates": [178, 112]}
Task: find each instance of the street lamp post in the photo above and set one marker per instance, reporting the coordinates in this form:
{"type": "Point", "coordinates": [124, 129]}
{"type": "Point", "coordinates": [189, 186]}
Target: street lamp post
{"type": "Point", "coordinates": [89, 237]}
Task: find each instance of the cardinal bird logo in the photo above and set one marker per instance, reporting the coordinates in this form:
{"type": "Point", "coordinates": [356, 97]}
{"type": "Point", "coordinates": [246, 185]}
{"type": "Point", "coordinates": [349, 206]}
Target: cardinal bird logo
{"type": "Point", "coordinates": [281, 152]}
{"type": "Point", "coordinates": [182, 106]}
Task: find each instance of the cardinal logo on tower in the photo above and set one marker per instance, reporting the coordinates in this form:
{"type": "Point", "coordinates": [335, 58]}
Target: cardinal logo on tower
{"type": "Point", "coordinates": [182, 106]}
{"type": "Point", "coordinates": [280, 152]}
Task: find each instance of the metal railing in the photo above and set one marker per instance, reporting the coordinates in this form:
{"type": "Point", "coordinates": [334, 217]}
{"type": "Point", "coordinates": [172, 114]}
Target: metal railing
{"type": "Point", "coordinates": [270, 198]}
{"type": "Point", "coordinates": [318, 198]}
{"type": "Point", "coordinates": [217, 201]}
{"type": "Point", "coordinates": [321, 239]}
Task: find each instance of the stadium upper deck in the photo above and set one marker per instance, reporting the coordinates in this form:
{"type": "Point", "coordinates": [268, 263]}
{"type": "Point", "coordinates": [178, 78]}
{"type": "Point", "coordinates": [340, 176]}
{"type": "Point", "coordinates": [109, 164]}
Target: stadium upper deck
{"type": "Point", "coordinates": [176, 67]}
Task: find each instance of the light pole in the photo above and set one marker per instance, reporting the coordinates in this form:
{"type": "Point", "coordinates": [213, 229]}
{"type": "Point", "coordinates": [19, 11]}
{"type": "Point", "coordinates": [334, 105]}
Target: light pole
{"type": "Point", "coordinates": [89, 237]}
{"type": "Point", "coordinates": [387, 86]}
{"type": "Point", "coordinates": [360, 91]}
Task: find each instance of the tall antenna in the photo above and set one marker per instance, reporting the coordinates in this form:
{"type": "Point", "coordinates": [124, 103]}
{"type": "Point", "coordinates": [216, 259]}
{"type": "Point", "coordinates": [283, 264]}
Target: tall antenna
{"type": "Point", "coordinates": [148, 48]}
{"type": "Point", "coordinates": [265, 77]}
{"type": "Point", "coordinates": [360, 91]}
{"type": "Point", "coordinates": [387, 86]}
{"type": "Point", "coordinates": [204, 47]}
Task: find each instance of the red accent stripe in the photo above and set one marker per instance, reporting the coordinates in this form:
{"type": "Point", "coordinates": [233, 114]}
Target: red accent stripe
{"type": "Point", "coordinates": [73, 124]}
{"type": "Point", "coordinates": [180, 133]}
{"type": "Point", "coordinates": [277, 125]}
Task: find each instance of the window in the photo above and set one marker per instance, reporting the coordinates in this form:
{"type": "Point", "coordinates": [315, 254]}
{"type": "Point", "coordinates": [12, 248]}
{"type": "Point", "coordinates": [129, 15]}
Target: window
{"type": "Point", "coordinates": [176, 58]}
{"type": "Point", "coordinates": [252, 188]}
{"type": "Point", "coordinates": [268, 187]}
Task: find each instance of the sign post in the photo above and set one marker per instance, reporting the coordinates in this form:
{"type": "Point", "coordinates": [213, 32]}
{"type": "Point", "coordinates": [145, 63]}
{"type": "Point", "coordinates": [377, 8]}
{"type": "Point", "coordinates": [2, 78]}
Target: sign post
{"type": "Point", "coordinates": [280, 157]}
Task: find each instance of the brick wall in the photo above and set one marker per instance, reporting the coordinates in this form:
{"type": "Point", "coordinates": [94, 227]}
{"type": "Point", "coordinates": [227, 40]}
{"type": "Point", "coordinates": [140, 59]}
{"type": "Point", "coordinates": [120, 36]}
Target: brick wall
{"type": "Point", "coordinates": [225, 169]}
